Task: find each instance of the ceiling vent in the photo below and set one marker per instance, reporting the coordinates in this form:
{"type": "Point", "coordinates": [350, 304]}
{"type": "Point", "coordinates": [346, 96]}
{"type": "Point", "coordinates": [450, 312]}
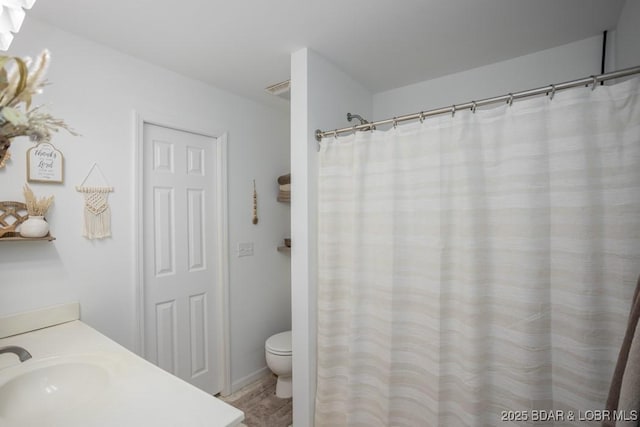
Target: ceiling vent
{"type": "Point", "coordinates": [281, 89]}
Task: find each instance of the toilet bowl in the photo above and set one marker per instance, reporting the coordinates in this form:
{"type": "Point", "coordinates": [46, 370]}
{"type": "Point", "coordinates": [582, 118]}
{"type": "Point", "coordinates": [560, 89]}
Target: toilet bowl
{"type": "Point", "coordinates": [278, 354]}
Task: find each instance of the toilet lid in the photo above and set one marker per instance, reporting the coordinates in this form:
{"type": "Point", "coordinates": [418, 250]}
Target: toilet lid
{"type": "Point", "coordinates": [279, 344]}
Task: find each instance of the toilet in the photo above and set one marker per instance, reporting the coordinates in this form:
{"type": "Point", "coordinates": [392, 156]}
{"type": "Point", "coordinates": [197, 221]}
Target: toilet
{"type": "Point", "coordinates": [278, 353]}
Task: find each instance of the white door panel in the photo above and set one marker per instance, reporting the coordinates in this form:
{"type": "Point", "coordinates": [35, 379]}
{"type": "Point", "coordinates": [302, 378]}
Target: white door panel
{"type": "Point", "coordinates": [180, 254]}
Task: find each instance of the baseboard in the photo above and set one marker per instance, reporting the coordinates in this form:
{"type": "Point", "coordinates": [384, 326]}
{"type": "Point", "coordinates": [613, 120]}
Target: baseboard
{"type": "Point", "coordinates": [254, 376]}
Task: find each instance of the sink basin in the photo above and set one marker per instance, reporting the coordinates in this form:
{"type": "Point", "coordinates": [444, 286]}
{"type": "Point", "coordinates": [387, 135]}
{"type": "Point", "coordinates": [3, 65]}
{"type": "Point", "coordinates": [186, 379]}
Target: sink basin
{"type": "Point", "coordinates": [39, 388]}
{"type": "Point", "coordinates": [80, 378]}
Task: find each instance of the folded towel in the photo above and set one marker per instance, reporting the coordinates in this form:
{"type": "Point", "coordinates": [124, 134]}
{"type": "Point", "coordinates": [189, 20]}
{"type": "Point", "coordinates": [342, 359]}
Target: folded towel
{"type": "Point", "coordinates": [284, 196]}
{"type": "Point", "coordinates": [284, 179]}
{"type": "Point", "coordinates": [629, 401]}
{"type": "Point", "coordinates": [624, 393]}
{"type": "Point", "coordinates": [285, 187]}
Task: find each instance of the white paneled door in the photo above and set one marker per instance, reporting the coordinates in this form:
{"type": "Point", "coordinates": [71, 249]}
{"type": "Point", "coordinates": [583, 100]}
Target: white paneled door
{"type": "Point", "coordinates": [180, 258]}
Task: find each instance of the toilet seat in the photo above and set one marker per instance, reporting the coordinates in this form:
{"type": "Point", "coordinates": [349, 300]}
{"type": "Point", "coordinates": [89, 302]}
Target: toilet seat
{"type": "Point", "coordinates": [279, 344]}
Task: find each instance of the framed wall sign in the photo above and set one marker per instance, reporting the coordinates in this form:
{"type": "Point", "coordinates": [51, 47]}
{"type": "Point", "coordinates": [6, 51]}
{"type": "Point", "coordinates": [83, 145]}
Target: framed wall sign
{"type": "Point", "coordinates": [45, 164]}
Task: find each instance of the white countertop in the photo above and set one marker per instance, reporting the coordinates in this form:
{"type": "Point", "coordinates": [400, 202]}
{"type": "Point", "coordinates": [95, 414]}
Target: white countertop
{"type": "Point", "coordinates": [137, 393]}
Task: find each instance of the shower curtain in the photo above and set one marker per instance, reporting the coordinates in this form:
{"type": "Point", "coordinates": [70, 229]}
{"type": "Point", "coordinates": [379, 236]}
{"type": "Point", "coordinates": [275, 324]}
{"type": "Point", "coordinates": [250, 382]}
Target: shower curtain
{"type": "Point", "coordinates": [478, 270]}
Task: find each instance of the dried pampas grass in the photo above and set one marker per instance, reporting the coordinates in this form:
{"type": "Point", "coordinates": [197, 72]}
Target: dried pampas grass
{"type": "Point", "coordinates": [4, 159]}
{"type": "Point", "coordinates": [35, 206]}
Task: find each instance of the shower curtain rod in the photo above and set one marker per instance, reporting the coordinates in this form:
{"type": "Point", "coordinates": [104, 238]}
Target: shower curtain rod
{"type": "Point", "coordinates": [509, 98]}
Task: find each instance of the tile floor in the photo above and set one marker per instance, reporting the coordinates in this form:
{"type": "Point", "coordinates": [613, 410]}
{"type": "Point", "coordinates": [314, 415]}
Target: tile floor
{"type": "Point", "coordinates": [260, 405]}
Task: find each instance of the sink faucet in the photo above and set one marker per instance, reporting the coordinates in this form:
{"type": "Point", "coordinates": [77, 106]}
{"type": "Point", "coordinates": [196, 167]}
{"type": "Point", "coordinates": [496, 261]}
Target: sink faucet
{"type": "Point", "coordinates": [18, 351]}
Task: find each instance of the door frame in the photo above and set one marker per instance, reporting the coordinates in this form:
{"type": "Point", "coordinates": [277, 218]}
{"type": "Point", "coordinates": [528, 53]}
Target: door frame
{"type": "Point", "coordinates": [221, 315]}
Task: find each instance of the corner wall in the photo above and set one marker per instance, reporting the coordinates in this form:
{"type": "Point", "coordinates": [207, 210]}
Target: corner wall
{"type": "Point", "coordinates": [555, 65]}
{"type": "Point", "coordinates": [96, 89]}
{"type": "Point", "coordinates": [321, 97]}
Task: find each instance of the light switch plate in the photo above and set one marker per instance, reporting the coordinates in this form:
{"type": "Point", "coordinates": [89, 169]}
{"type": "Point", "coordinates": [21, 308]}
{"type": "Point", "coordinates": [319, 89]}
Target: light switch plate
{"type": "Point", "coordinates": [245, 249]}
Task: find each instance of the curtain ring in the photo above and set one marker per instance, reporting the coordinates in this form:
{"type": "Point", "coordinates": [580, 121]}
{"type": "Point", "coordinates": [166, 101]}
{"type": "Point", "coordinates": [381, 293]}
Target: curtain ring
{"type": "Point", "coordinates": [395, 122]}
{"type": "Point", "coordinates": [453, 110]}
{"type": "Point", "coordinates": [553, 92]}
{"type": "Point", "coordinates": [473, 107]}
{"type": "Point", "coordinates": [510, 101]}
{"type": "Point", "coordinates": [595, 82]}
{"type": "Point", "coordinates": [335, 134]}
{"type": "Point", "coordinates": [421, 116]}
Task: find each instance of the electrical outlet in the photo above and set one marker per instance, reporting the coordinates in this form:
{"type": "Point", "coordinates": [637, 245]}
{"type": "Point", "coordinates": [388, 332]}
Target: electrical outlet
{"type": "Point", "coordinates": [245, 249]}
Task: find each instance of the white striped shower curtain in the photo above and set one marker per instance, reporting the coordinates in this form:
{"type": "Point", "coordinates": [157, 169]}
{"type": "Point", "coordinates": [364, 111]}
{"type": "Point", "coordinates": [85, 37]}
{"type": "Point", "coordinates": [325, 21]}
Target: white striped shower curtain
{"type": "Point", "coordinates": [477, 270]}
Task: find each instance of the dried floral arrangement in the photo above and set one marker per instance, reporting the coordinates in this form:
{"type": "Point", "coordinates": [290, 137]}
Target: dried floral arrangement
{"type": "Point", "coordinates": [18, 85]}
{"type": "Point", "coordinates": [35, 206]}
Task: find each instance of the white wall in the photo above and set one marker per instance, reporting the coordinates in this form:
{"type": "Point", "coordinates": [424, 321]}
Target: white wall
{"type": "Point", "coordinates": [321, 97]}
{"type": "Point", "coordinates": [559, 64]}
{"type": "Point", "coordinates": [96, 89]}
{"type": "Point", "coordinates": [628, 35]}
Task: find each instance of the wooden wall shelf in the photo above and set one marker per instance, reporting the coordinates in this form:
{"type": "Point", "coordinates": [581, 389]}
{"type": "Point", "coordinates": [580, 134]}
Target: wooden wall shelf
{"type": "Point", "coordinates": [16, 211]}
{"type": "Point", "coordinates": [48, 238]}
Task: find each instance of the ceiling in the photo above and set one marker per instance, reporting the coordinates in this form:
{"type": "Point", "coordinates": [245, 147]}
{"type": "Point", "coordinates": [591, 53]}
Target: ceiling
{"type": "Point", "coordinates": [244, 45]}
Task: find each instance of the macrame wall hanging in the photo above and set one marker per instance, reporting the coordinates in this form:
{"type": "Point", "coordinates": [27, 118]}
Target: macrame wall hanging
{"type": "Point", "coordinates": [97, 213]}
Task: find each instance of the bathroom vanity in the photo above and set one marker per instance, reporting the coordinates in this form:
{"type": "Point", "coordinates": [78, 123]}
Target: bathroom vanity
{"type": "Point", "coordinates": [78, 377]}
